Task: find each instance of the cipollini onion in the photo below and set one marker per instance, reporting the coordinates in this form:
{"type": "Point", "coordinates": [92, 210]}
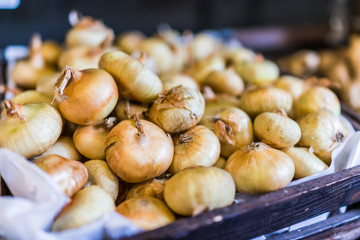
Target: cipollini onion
{"type": "Point", "coordinates": [258, 168]}
{"type": "Point", "coordinates": [64, 147]}
{"type": "Point", "coordinates": [173, 80]}
{"type": "Point", "coordinates": [220, 163]}
{"type": "Point", "coordinates": [130, 41]}
{"type": "Point", "coordinates": [314, 99]}
{"type": "Point", "coordinates": [234, 129]}
{"type": "Point", "coordinates": [306, 162]}
{"type": "Point", "coordinates": [138, 150]}
{"type": "Point", "coordinates": [29, 129]}
{"type": "Point", "coordinates": [258, 72]}
{"type": "Point", "coordinates": [323, 131]}
{"type": "Point", "coordinates": [201, 69]}
{"type": "Point", "coordinates": [265, 99]}
{"type": "Point", "coordinates": [101, 175]}
{"type": "Point", "coordinates": [226, 81]}
{"type": "Point", "coordinates": [177, 109]}
{"type": "Point", "coordinates": [87, 205]}
{"type": "Point", "coordinates": [87, 96]}
{"type": "Point", "coordinates": [32, 96]}
{"type": "Point", "coordinates": [50, 50]}
{"type": "Point", "coordinates": [125, 109]}
{"type": "Point", "coordinates": [134, 80]}
{"type": "Point", "coordinates": [146, 212]}
{"type": "Point", "coordinates": [71, 175]}
{"type": "Point", "coordinates": [292, 85]}
{"type": "Point", "coordinates": [203, 46]}
{"type": "Point", "coordinates": [80, 57]}
{"type": "Point", "coordinates": [46, 84]}
{"type": "Point", "coordinates": [350, 95]}
{"type": "Point", "coordinates": [90, 140]}
{"type": "Point", "coordinates": [241, 55]}
{"type": "Point", "coordinates": [277, 129]}
{"type": "Point", "coordinates": [195, 190]}
{"type": "Point", "coordinates": [198, 146]}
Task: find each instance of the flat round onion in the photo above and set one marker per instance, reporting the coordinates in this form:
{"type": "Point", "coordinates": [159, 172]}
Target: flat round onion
{"type": "Point", "coordinates": [146, 212]}
{"type": "Point", "coordinates": [198, 146]}
{"type": "Point", "coordinates": [220, 163]}
{"type": "Point", "coordinates": [277, 129]}
{"type": "Point", "coordinates": [29, 129]}
{"type": "Point", "coordinates": [195, 190]}
{"type": "Point", "coordinates": [225, 81]}
{"type": "Point", "coordinates": [241, 55]}
{"type": "Point", "coordinates": [32, 96]}
{"type": "Point", "coordinates": [203, 46]}
{"type": "Point", "coordinates": [315, 98]}
{"type": "Point", "coordinates": [51, 51]}
{"type": "Point", "coordinates": [200, 70]}
{"type": "Point", "coordinates": [101, 175]}
{"type": "Point", "coordinates": [323, 131]}
{"type": "Point", "coordinates": [87, 96]}
{"type": "Point", "coordinates": [173, 80]}
{"type": "Point", "coordinates": [152, 188]}
{"type": "Point", "coordinates": [80, 57]}
{"type": "Point", "coordinates": [258, 168]}
{"type": "Point", "coordinates": [267, 99]}
{"type": "Point", "coordinates": [292, 85]}
{"type": "Point", "coordinates": [138, 150]}
{"type": "Point", "coordinates": [46, 84]}
{"type": "Point", "coordinates": [71, 175]}
{"type": "Point", "coordinates": [64, 147]}
{"type": "Point", "coordinates": [130, 41]}
{"type": "Point", "coordinates": [258, 72]}
{"type": "Point", "coordinates": [178, 109]}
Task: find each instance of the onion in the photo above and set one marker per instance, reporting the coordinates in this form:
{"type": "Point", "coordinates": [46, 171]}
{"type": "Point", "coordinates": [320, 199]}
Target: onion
{"type": "Point", "coordinates": [350, 95]}
{"type": "Point", "coordinates": [90, 140]}
{"type": "Point", "coordinates": [146, 212]}
{"type": "Point", "coordinates": [138, 150]}
{"type": "Point", "coordinates": [50, 50]}
{"type": "Point", "coordinates": [203, 46]}
{"type": "Point", "coordinates": [101, 175]}
{"type": "Point", "coordinates": [27, 73]}
{"type": "Point", "coordinates": [225, 81]}
{"type": "Point", "coordinates": [277, 129]}
{"type": "Point", "coordinates": [198, 146]}
{"type": "Point", "coordinates": [306, 163]}
{"type": "Point", "coordinates": [80, 57]}
{"type": "Point", "coordinates": [268, 99]}
{"type": "Point", "coordinates": [241, 55]}
{"type": "Point", "coordinates": [32, 96]}
{"type": "Point", "coordinates": [323, 131]}
{"type": "Point", "coordinates": [125, 109]}
{"type": "Point", "coordinates": [135, 81]}
{"type": "Point", "coordinates": [178, 109]}
{"type": "Point", "coordinates": [173, 80]}
{"type": "Point", "coordinates": [87, 96]}
{"type": "Point", "coordinates": [65, 148]}
{"type": "Point", "coordinates": [258, 72]}
{"type": "Point", "coordinates": [29, 129]}
{"type": "Point", "coordinates": [130, 41]}
{"type": "Point", "coordinates": [315, 98]}
{"type": "Point", "coordinates": [258, 168]}
{"type": "Point", "coordinates": [201, 69]}
{"type": "Point", "coordinates": [46, 84]}
{"type": "Point", "coordinates": [86, 206]}
{"type": "Point", "coordinates": [152, 188]}
{"type": "Point", "coordinates": [71, 175]}
{"type": "Point", "coordinates": [292, 85]}
{"type": "Point", "coordinates": [301, 63]}
{"type": "Point", "coordinates": [220, 163]}
{"type": "Point", "coordinates": [195, 190]}
{"type": "Point", "coordinates": [234, 129]}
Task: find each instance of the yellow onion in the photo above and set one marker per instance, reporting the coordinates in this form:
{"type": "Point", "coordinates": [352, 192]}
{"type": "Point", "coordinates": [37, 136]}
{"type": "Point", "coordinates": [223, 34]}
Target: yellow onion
{"type": "Point", "coordinates": [101, 175]}
{"type": "Point", "coordinates": [258, 168]}
{"type": "Point", "coordinates": [146, 212]}
{"type": "Point", "coordinates": [258, 72]}
{"type": "Point", "coordinates": [80, 57]}
{"type": "Point", "coordinates": [314, 99]}
{"type": "Point", "coordinates": [220, 163]}
{"type": "Point", "coordinates": [203, 46]}
{"type": "Point", "coordinates": [241, 55]}
{"type": "Point", "coordinates": [350, 95]}
{"type": "Point", "coordinates": [198, 146]}
{"type": "Point", "coordinates": [90, 140]}
{"type": "Point", "coordinates": [177, 109]}
{"type": "Point", "coordinates": [51, 51]}
{"type": "Point", "coordinates": [225, 81]}
{"type": "Point", "coordinates": [29, 129]}
{"type": "Point", "coordinates": [125, 109]}
{"type": "Point", "coordinates": [130, 41]}
{"type": "Point", "coordinates": [32, 96]}
{"type": "Point", "coordinates": [70, 175]}
{"type": "Point", "coordinates": [86, 206]}
{"type": "Point", "coordinates": [234, 129]}
{"type": "Point", "coordinates": [305, 161]}
{"type": "Point", "coordinates": [195, 190]}
{"type": "Point", "coordinates": [138, 150]}
{"type": "Point", "coordinates": [27, 72]}
{"type": "Point", "coordinates": [201, 69]}
{"type": "Point", "coordinates": [277, 129]}
{"type": "Point", "coordinates": [46, 84]}
{"type": "Point", "coordinates": [292, 85]}
{"type": "Point", "coordinates": [268, 99]}
{"type": "Point", "coordinates": [301, 63]}
{"type": "Point", "coordinates": [65, 148]}
{"type": "Point", "coordinates": [323, 131]}
{"type": "Point", "coordinates": [87, 31]}
{"type": "Point", "coordinates": [152, 188]}
{"type": "Point", "coordinates": [173, 80]}
{"type": "Point", "coordinates": [87, 96]}
{"type": "Point", "coordinates": [134, 81]}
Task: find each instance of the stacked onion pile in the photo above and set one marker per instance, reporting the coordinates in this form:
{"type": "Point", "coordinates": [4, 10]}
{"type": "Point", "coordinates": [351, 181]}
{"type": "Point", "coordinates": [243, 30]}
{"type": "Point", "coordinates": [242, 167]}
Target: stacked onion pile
{"type": "Point", "coordinates": [134, 133]}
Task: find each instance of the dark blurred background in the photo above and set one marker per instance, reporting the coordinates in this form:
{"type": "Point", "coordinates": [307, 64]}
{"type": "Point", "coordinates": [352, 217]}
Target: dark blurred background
{"type": "Point", "coordinates": [260, 23]}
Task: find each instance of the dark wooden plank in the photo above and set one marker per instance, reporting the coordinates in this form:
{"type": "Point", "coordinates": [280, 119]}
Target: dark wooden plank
{"type": "Point", "coordinates": [268, 212]}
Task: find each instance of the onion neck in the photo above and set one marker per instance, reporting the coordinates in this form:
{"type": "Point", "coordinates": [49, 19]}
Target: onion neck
{"type": "Point", "coordinates": [67, 75]}
{"type": "Point", "coordinates": [142, 58]}
{"type": "Point", "coordinates": [36, 58]}
{"type": "Point", "coordinates": [281, 112]}
{"type": "Point", "coordinates": [13, 109]}
{"type": "Point", "coordinates": [141, 134]}
{"type": "Point", "coordinates": [224, 132]}
{"type": "Point", "coordinates": [186, 138]}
